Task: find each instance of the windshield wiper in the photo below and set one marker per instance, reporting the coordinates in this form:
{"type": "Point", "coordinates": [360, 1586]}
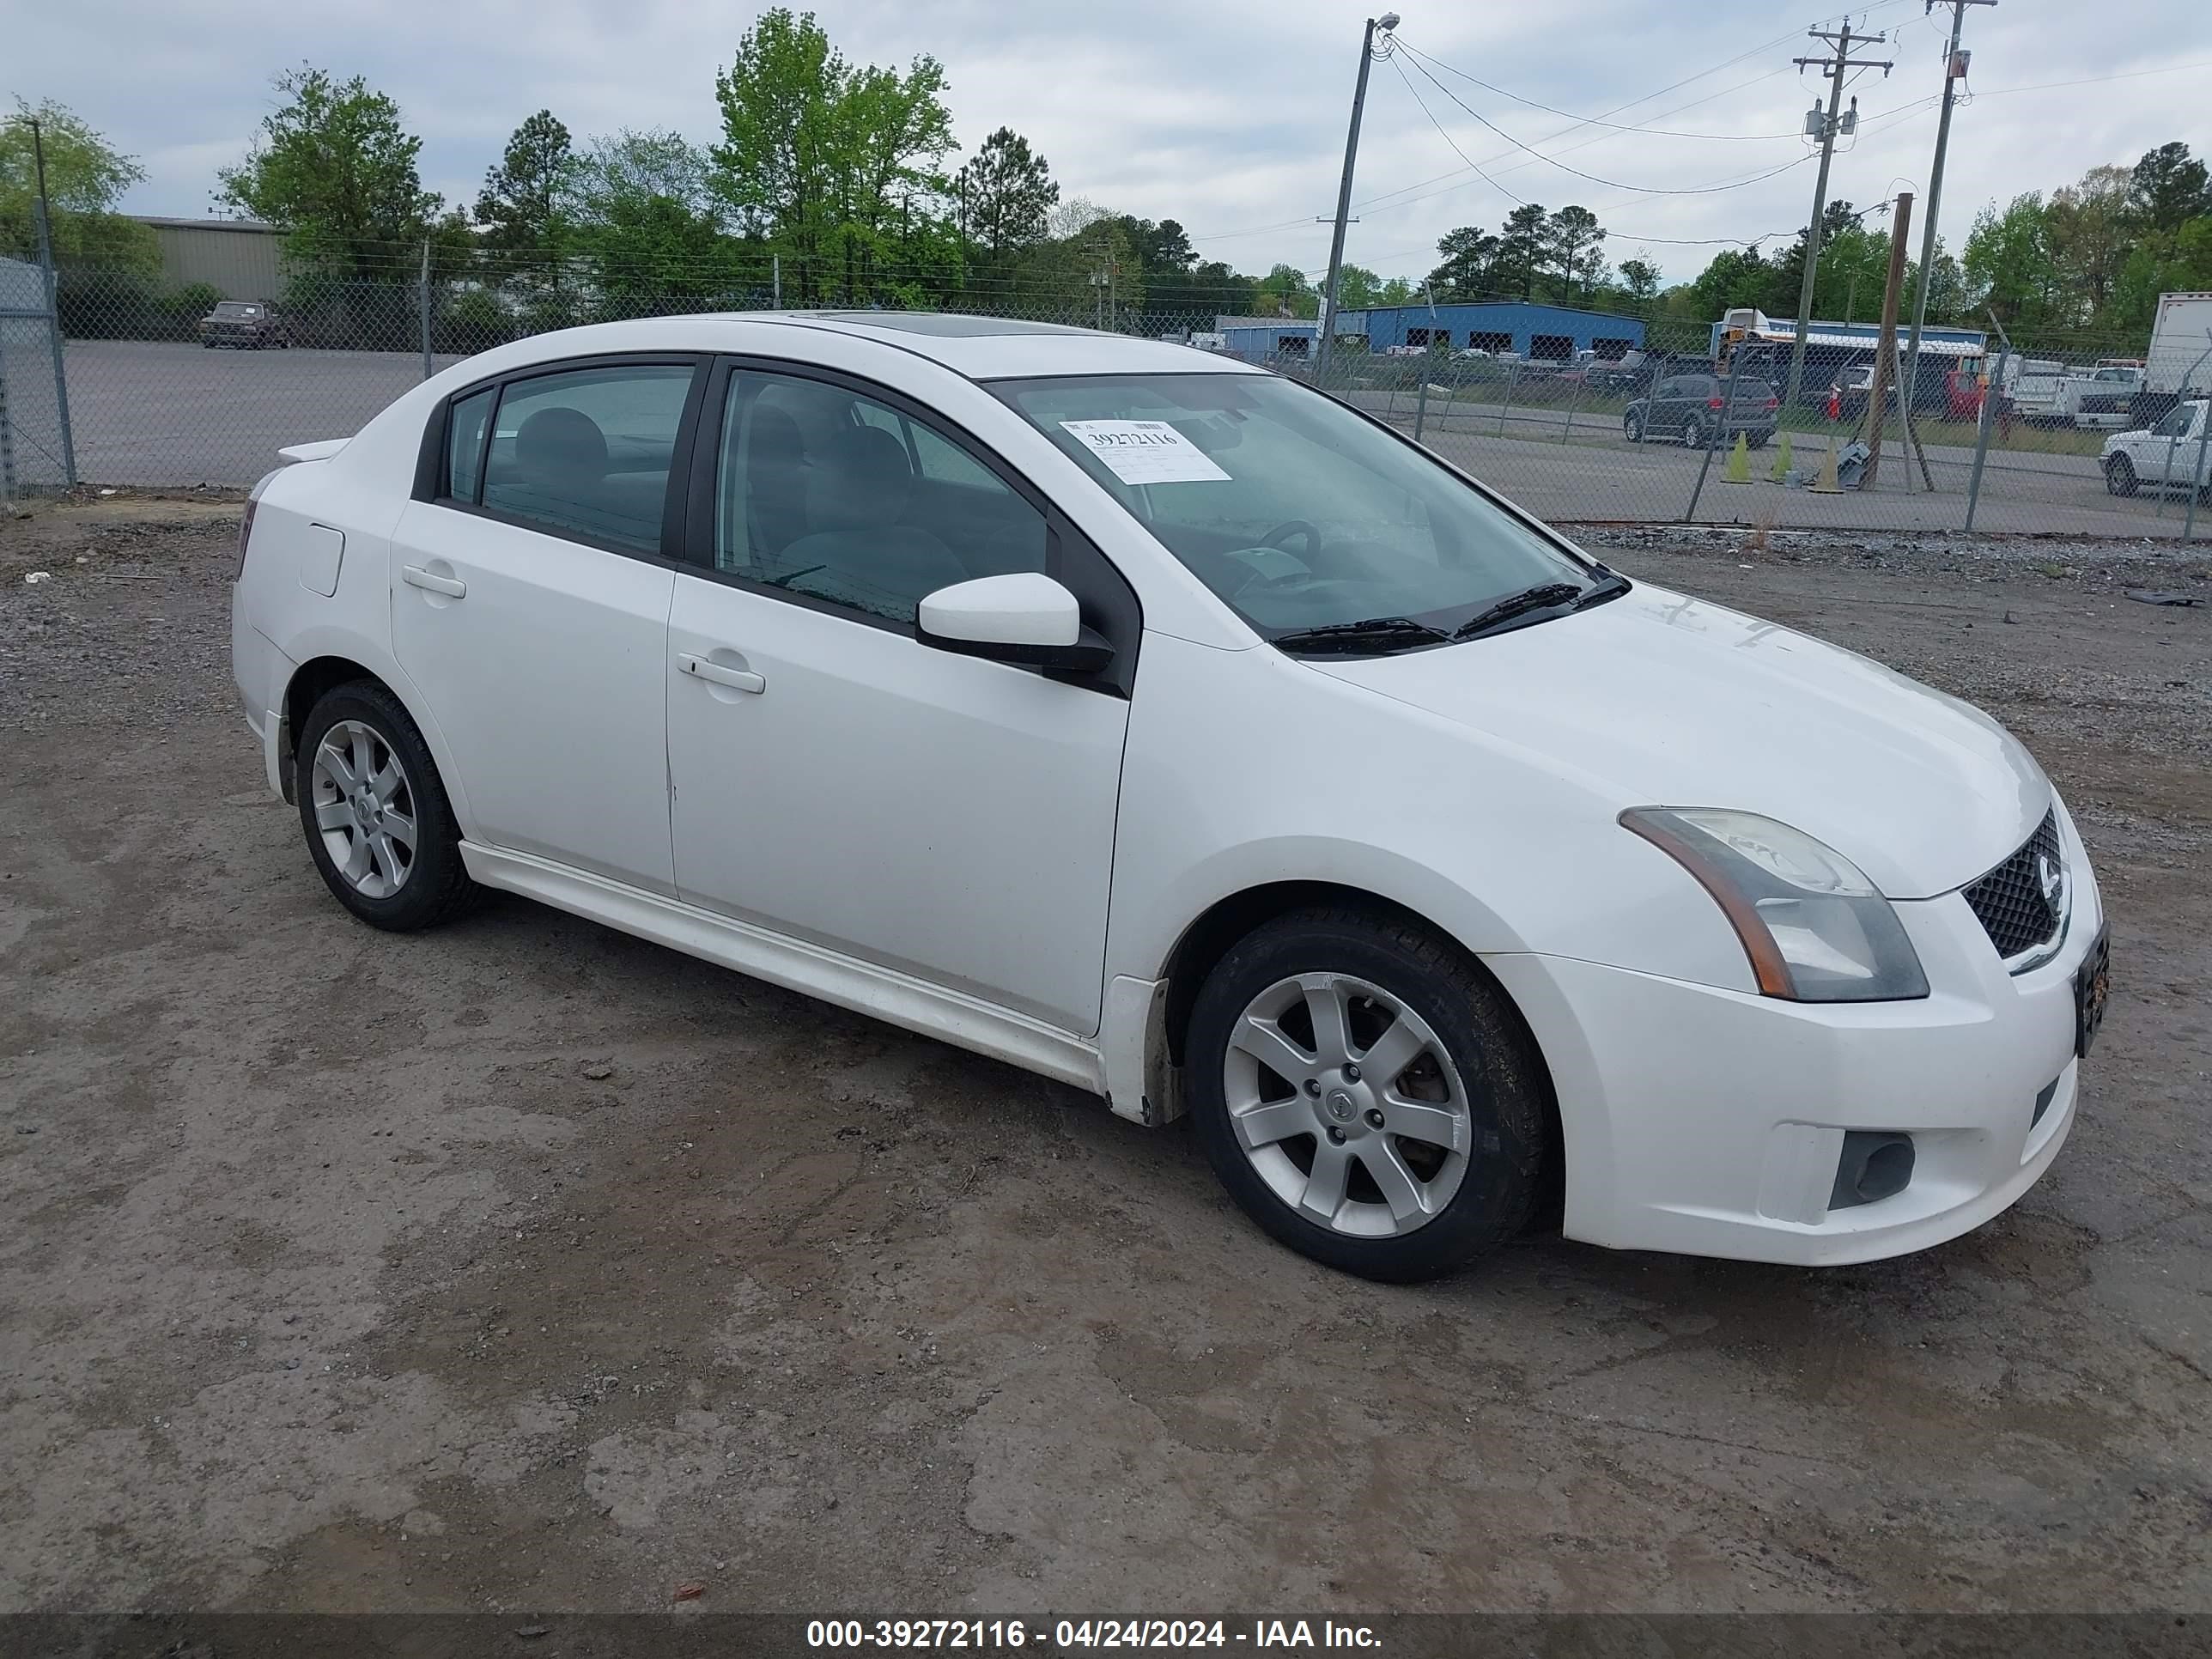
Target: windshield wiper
{"type": "Point", "coordinates": [1545, 596]}
{"type": "Point", "coordinates": [1374, 634]}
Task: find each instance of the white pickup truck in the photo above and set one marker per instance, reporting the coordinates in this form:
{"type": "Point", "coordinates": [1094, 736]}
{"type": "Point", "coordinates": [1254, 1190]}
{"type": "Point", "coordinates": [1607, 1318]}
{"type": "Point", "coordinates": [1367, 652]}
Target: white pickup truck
{"type": "Point", "coordinates": [2101, 397]}
{"type": "Point", "coordinates": [2171, 455]}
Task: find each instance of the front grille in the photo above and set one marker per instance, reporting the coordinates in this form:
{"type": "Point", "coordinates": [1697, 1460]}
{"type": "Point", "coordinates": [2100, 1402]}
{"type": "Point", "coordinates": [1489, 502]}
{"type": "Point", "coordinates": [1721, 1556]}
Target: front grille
{"type": "Point", "coordinates": [2009, 902]}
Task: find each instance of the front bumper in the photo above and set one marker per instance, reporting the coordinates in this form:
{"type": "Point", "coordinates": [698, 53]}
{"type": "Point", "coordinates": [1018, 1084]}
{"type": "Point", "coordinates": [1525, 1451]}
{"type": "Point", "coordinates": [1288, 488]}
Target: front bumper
{"type": "Point", "coordinates": [1710, 1121]}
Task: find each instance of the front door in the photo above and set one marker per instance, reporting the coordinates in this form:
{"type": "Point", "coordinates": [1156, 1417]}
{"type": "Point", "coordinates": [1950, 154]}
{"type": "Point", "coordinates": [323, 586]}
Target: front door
{"type": "Point", "coordinates": [837, 782]}
{"type": "Point", "coordinates": [530, 607]}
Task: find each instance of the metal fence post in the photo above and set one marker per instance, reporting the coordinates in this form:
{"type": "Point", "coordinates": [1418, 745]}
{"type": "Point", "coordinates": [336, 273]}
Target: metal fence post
{"type": "Point", "coordinates": [2196, 475]}
{"type": "Point", "coordinates": [1573, 403]}
{"type": "Point", "coordinates": [1421, 408]}
{"type": "Point", "coordinates": [54, 337]}
{"type": "Point", "coordinates": [6, 433]}
{"type": "Point", "coordinates": [2166, 479]}
{"type": "Point", "coordinates": [1990, 393]}
{"type": "Point", "coordinates": [1728, 408]}
{"type": "Point", "coordinates": [1512, 384]}
{"type": "Point", "coordinates": [775, 281]}
{"type": "Point", "coordinates": [426, 370]}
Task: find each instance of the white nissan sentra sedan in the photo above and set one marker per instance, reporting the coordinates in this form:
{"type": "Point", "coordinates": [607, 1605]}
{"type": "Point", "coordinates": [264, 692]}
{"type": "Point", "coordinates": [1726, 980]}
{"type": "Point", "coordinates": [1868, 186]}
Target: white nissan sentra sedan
{"type": "Point", "coordinates": [1165, 726]}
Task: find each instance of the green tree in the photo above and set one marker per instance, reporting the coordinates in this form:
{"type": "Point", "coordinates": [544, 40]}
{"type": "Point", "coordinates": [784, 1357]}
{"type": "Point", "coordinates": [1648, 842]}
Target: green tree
{"type": "Point", "coordinates": [824, 159]}
{"type": "Point", "coordinates": [1523, 250]}
{"type": "Point", "coordinates": [335, 171]}
{"type": "Point", "coordinates": [1358, 288]}
{"type": "Point", "coordinates": [1735, 277]}
{"type": "Point", "coordinates": [2090, 229]}
{"type": "Point", "coordinates": [1007, 195]}
{"type": "Point", "coordinates": [1639, 283]}
{"type": "Point", "coordinates": [85, 177]}
{"type": "Point", "coordinates": [1575, 249]}
{"type": "Point", "coordinates": [1287, 291]}
{"type": "Point", "coordinates": [2168, 187]}
{"type": "Point", "coordinates": [521, 206]}
{"type": "Point", "coordinates": [1469, 269]}
{"type": "Point", "coordinates": [642, 209]}
{"type": "Point", "coordinates": [2007, 263]}
{"type": "Point", "coordinates": [1396, 292]}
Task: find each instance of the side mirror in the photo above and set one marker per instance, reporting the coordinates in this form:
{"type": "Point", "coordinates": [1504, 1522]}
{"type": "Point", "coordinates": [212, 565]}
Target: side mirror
{"type": "Point", "coordinates": [1024, 618]}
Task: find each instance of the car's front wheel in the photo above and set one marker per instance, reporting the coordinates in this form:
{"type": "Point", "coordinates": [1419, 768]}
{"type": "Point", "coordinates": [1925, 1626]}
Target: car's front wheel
{"type": "Point", "coordinates": [2120, 475]}
{"type": "Point", "coordinates": [1366, 1094]}
{"type": "Point", "coordinates": [1633, 427]}
{"type": "Point", "coordinates": [1693, 433]}
{"type": "Point", "coordinates": [378, 824]}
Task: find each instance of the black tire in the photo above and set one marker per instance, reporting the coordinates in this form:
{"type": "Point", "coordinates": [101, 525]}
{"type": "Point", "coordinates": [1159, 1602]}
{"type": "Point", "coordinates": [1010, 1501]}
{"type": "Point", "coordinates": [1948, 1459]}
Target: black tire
{"type": "Point", "coordinates": [2120, 476]}
{"type": "Point", "coordinates": [1501, 1074]}
{"type": "Point", "coordinates": [1693, 433]}
{"type": "Point", "coordinates": [437, 888]}
{"type": "Point", "coordinates": [1759, 440]}
{"type": "Point", "coordinates": [1634, 428]}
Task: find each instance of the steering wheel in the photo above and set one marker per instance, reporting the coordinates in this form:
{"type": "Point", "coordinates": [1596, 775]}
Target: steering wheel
{"type": "Point", "coordinates": [1294, 528]}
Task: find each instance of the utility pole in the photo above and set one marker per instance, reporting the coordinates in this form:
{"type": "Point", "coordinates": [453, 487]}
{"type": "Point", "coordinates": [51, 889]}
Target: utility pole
{"type": "Point", "coordinates": [1323, 346]}
{"type": "Point", "coordinates": [1885, 353]}
{"type": "Point", "coordinates": [1828, 126]}
{"type": "Point", "coordinates": [1954, 70]}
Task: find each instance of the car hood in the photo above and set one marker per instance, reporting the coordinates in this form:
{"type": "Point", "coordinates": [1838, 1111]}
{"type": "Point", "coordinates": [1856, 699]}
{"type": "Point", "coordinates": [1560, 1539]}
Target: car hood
{"type": "Point", "coordinates": [1661, 700]}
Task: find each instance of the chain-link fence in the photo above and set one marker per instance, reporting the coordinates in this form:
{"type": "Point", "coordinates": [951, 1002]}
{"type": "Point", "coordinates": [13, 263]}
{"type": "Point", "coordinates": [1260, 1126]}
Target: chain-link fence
{"type": "Point", "coordinates": [34, 440]}
{"type": "Point", "coordinates": [1580, 417]}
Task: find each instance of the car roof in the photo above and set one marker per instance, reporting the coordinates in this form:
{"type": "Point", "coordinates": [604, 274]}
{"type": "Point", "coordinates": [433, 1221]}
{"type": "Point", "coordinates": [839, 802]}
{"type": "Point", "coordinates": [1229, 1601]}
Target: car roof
{"type": "Point", "coordinates": [999, 348]}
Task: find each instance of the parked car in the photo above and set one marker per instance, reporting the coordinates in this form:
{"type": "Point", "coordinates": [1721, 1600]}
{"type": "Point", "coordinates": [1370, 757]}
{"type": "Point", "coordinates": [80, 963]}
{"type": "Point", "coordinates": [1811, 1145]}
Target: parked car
{"type": "Point", "coordinates": [2168, 456]}
{"type": "Point", "coordinates": [1168, 728]}
{"type": "Point", "coordinates": [247, 323]}
{"type": "Point", "coordinates": [1696, 409]}
{"type": "Point", "coordinates": [1619, 374]}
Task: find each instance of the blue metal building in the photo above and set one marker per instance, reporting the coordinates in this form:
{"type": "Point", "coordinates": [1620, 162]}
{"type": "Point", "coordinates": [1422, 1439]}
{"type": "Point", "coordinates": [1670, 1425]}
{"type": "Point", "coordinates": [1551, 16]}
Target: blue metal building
{"type": "Point", "coordinates": [1266, 339]}
{"type": "Point", "coordinates": [1551, 332]}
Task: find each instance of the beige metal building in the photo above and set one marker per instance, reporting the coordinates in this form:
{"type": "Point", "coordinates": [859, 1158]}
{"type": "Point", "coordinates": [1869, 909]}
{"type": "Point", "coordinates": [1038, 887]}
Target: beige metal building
{"type": "Point", "coordinates": [237, 256]}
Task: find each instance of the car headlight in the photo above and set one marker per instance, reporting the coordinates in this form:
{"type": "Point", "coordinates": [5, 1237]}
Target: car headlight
{"type": "Point", "coordinates": [1815, 928]}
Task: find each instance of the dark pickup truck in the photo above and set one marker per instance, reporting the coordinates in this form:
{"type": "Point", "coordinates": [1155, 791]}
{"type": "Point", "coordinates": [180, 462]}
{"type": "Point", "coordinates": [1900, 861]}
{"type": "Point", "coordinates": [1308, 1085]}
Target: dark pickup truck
{"type": "Point", "coordinates": [243, 324]}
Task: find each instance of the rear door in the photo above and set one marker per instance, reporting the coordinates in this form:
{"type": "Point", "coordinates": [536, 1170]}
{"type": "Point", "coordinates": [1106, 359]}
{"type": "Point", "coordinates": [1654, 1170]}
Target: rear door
{"type": "Point", "coordinates": [530, 601]}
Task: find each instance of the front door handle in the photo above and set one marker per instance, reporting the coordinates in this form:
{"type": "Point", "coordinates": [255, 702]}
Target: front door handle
{"type": "Point", "coordinates": [415, 576]}
{"type": "Point", "coordinates": [737, 679]}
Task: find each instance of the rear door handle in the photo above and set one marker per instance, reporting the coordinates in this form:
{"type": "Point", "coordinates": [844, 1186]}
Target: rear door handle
{"type": "Point", "coordinates": [737, 679]}
{"type": "Point", "coordinates": [415, 576]}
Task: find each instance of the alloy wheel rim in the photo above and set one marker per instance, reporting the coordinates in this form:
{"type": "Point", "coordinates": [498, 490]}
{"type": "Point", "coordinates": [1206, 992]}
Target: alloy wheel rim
{"type": "Point", "coordinates": [364, 809]}
{"type": "Point", "coordinates": [1346, 1105]}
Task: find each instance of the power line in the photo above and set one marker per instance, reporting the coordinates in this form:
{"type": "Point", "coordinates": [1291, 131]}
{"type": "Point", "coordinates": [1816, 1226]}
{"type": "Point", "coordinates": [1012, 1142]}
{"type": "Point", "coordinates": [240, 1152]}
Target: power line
{"type": "Point", "coordinates": [1610, 183]}
{"type": "Point", "coordinates": [1592, 120]}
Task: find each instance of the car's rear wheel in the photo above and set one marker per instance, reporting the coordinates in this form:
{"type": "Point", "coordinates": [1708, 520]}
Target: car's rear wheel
{"type": "Point", "coordinates": [1693, 433]}
{"type": "Point", "coordinates": [1366, 1094]}
{"type": "Point", "coordinates": [2120, 475]}
{"type": "Point", "coordinates": [379, 825]}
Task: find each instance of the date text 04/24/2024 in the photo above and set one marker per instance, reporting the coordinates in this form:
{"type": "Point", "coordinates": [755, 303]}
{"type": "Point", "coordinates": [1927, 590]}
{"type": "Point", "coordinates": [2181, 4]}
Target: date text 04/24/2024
{"type": "Point", "coordinates": [1084, 1635]}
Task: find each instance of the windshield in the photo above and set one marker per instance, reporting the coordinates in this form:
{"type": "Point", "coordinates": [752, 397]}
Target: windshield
{"type": "Point", "coordinates": [231, 308]}
{"type": "Point", "coordinates": [1298, 513]}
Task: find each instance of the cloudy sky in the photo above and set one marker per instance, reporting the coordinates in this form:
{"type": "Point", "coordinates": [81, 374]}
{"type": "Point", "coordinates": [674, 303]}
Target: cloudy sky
{"type": "Point", "coordinates": [1227, 115]}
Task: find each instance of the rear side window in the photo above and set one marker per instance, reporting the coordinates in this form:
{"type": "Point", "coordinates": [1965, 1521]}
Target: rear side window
{"type": "Point", "coordinates": [587, 453]}
{"type": "Point", "coordinates": [465, 436]}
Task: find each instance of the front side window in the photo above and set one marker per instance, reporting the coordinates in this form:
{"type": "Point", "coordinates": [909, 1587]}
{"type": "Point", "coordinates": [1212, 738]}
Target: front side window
{"type": "Point", "coordinates": [2177, 421]}
{"type": "Point", "coordinates": [1298, 513]}
{"type": "Point", "coordinates": [831, 493]}
{"type": "Point", "coordinates": [587, 453]}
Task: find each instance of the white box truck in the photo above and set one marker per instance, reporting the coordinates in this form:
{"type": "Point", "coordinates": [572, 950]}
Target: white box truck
{"type": "Point", "coordinates": [2180, 356]}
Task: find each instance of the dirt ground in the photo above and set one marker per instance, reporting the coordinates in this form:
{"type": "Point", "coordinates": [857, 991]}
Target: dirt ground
{"type": "Point", "coordinates": [524, 1267]}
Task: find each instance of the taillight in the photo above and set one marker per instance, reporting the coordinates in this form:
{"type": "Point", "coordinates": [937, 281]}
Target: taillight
{"type": "Point", "coordinates": [1772, 402]}
{"type": "Point", "coordinates": [1712, 403]}
{"type": "Point", "coordinates": [245, 529]}
{"type": "Point", "coordinates": [246, 524]}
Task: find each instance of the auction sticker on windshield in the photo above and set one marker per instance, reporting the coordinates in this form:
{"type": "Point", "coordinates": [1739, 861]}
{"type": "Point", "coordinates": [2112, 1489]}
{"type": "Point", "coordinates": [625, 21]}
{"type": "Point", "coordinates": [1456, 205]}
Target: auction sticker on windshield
{"type": "Point", "coordinates": [1145, 452]}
